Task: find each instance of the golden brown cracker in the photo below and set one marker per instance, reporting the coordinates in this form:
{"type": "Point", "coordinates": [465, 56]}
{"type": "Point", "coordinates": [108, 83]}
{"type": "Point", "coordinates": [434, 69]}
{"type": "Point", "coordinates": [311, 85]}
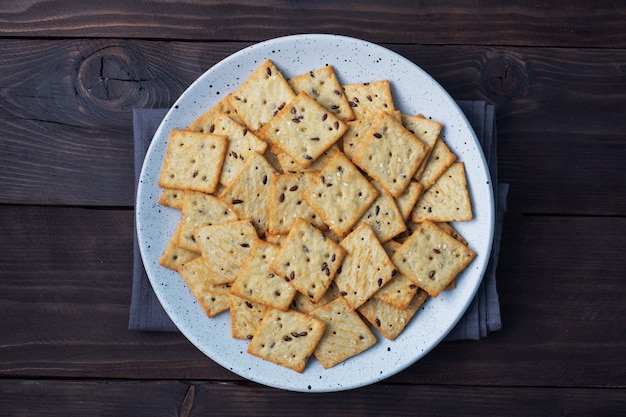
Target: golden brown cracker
{"type": "Point", "coordinates": [346, 334]}
{"type": "Point", "coordinates": [370, 98]}
{"type": "Point", "coordinates": [366, 268]}
{"type": "Point", "coordinates": [389, 320]}
{"type": "Point", "coordinates": [323, 86]}
{"type": "Point", "coordinates": [264, 93]}
{"type": "Point", "coordinates": [245, 317]}
{"type": "Point", "coordinates": [447, 200]}
{"type": "Point", "coordinates": [303, 129]}
{"type": "Point", "coordinates": [193, 161]}
{"type": "Point", "coordinates": [173, 256]}
{"type": "Point", "coordinates": [224, 248]}
{"type": "Point", "coordinates": [241, 145]}
{"type": "Point", "coordinates": [287, 338]}
{"type": "Point", "coordinates": [214, 299]}
{"type": "Point", "coordinates": [257, 282]}
{"type": "Point", "coordinates": [340, 194]}
{"type": "Point", "coordinates": [438, 161]}
{"type": "Point", "coordinates": [308, 260]}
{"type": "Point", "coordinates": [286, 204]}
{"type": "Point", "coordinates": [384, 216]}
{"type": "Point", "coordinates": [248, 194]}
{"type": "Point", "coordinates": [207, 119]}
{"type": "Point", "coordinates": [390, 154]}
{"type": "Point", "coordinates": [201, 209]}
{"type": "Point", "coordinates": [172, 198]}
{"type": "Point", "coordinates": [432, 258]}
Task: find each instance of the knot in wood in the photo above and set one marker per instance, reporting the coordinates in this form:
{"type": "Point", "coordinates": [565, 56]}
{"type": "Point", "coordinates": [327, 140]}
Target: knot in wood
{"type": "Point", "coordinates": [111, 78]}
{"type": "Point", "coordinates": [505, 76]}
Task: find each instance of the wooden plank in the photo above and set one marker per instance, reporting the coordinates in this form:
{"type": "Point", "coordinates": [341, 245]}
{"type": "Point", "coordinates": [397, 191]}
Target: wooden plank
{"type": "Point", "coordinates": [66, 138]}
{"type": "Point", "coordinates": [65, 285]}
{"type": "Point", "coordinates": [491, 23]}
{"type": "Point", "coordinates": [554, 173]}
{"type": "Point", "coordinates": [184, 398]}
{"type": "Point", "coordinates": [65, 280]}
{"type": "Point", "coordinates": [560, 281]}
{"type": "Point", "coordinates": [66, 134]}
{"type": "Point", "coordinates": [560, 143]}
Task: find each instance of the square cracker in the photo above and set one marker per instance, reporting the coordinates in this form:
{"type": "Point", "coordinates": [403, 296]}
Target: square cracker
{"type": "Point", "coordinates": [173, 256]}
{"type": "Point", "coordinates": [389, 320]}
{"type": "Point", "coordinates": [340, 194]}
{"type": "Point", "coordinates": [290, 166]}
{"type": "Point", "coordinates": [241, 145]}
{"type": "Point", "coordinates": [370, 99]}
{"type": "Point", "coordinates": [439, 159]}
{"type": "Point", "coordinates": [384, 216]}
{"type": "Point", "coordinates": [245, 317]}
{"type": "Point", "coordinates": [207, 119]}
{"type": "Point", "coordinates": [366, 268]}
{"type": "Point", "coordinates": [346, 334]}
{"type": "Point", "coordinates": [447, 199]}
{"type": "Point", "coordinates": [303, 129]}
{"type": "Point", "coordinates": [193, 161]}
{"type": "Point", "coordinates": [304, 304]}
{"type": "Point", "coordinates": [390, 154]}
{"type": "Point", "coordinates": [172, 198]}
{"type": "Point", "coordinates": [432, 258]}
{"type": "Point", "coordinates": [287, 338]}
{"type": "Point", "coordinates": [323, 86]}
{"type": "Point", "coordinates": [248, 194]}
{"type": "Point", "coordinates": [261, 96]}
{"type": "Point", "coordinates": [356, 134]}
{"type": "Point", "coordinates": [224, 247]}
{"type": "Point", "coordinates": [446, 228]}
{"type": "Point", "coordinates": [406, 201]}
{"type": "Point", "coordinates": [257, 282]}
{"type": "Point", "coordinates": [400, 290]}
{"type": "Point", "coordinates": [286, 204]}
{"type": "Point", "coordinates": [201, 209]}
{"type": "Point", "coordinates": [213, 299]}
{"type": "Point", "coordinates": [452, 232]}
{"type": "Point", "coordinates": [426, 130]}
{"type": "Point", "coordinates": [308, 260]}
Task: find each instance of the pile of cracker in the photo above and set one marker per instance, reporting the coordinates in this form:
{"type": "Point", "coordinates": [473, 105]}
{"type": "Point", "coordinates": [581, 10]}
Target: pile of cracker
{"type": "Point", "coordinates": [313, 212]}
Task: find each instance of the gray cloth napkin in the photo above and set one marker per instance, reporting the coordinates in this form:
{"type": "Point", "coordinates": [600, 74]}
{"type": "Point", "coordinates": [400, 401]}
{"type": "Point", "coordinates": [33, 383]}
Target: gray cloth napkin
{"type": "Point", "coordinates": [483, 315]}
{"type": "Point", "coordinates": [146, 312]}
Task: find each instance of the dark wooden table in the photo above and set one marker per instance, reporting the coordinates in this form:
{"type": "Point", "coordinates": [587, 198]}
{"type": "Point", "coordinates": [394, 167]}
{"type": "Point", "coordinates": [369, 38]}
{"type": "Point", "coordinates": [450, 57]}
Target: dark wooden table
{"type": "Point", "coordinates": [70, 75]}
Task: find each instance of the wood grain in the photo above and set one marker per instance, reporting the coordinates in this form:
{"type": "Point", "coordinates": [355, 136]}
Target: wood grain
{"type": "Point", "coordinates": [574, 24]}
{"type": "Point", "coordinates": [70, 75]}
{"type": "Point", "coordinates": [152, 398]}
{"type": "Point", "coordinates": [66, 137]}
{"type": "Point", "coordinates": [66, 276]}
{"type": "Point", "coordinates": [65, 280]}
{"type": "Point", "coordinates": [67, 133]}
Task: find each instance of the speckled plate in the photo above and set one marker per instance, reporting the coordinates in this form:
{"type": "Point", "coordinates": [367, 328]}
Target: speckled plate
{"type": "Point", "coordinates": [414, 92]}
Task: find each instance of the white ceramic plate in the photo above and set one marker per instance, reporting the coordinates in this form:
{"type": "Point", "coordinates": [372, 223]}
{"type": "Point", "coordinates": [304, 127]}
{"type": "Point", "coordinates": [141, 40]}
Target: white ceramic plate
{"type": "Point", "coordinates": [414, 92]}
